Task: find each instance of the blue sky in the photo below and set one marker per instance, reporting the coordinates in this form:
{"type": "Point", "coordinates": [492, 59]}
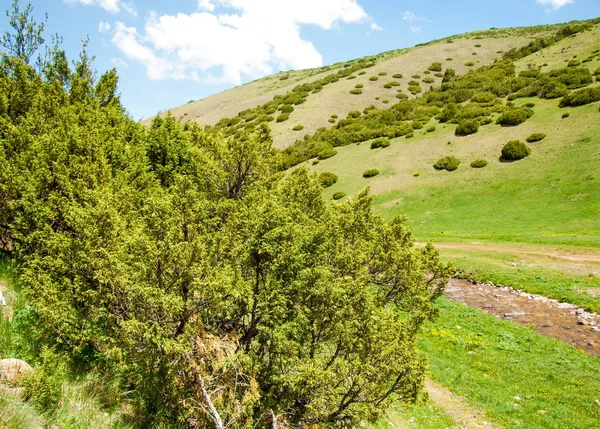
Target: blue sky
{"type": "Point", "coordinates": [168, 53]}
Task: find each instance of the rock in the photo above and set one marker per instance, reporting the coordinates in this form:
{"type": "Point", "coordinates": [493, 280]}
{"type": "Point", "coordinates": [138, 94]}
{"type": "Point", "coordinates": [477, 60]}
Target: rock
{"type": "Point", "coordinates": [13, 369]}
{"type": "Point", "coordinates": [542, 411]}
{"type": "Point", "coordinates": [516, 399]}
{"type": "Point", "coordinates": [581, 321]}
{"type": "Point", "coordinates": [597, 402]}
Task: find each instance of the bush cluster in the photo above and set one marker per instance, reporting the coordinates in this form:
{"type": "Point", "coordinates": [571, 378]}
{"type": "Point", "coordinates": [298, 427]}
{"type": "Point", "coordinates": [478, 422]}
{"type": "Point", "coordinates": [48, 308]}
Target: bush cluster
{"type": "Point", "coordinates": [448, 163]}
{"type": "Point", "coordinates": [581, 97]}
{"type": "Point", "coordinates": [515, 150]}
{"type": "Point", "coordinates": [467, 127]}
{"type": "Point", "coordinates": [381, 142]}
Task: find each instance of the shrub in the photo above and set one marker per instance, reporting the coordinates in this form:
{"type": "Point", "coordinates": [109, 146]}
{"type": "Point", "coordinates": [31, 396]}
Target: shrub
{"type": "Point", "coordinates": [385, 101]}
{"type": "Point", "coordinates": [574, 63]}
{"type": "Point", "coordinates": [287, 108]}
{"type": "Point", "coordinates": [485, 120]}
{"type": "Point", "coordinates": [529, 105]}
{"type": "Point", "coordinates": [414, 89]}
{"type": "Point", "coordinates": [387, 86]}
{"type": "Point", "coordinates": [416, 76]}
{"type": "Point", "coordinates": [515, 150]}
{"type": "Point", "coordinates": [467, 127]}
{"type": "Point", "coordinates": [413, 83]}
{"type": "Point", "coordinates": [478, 45]}
{"type": "Point", "coordinates": [448, 163]}
{"type": "Point", "coordinates": [374, 78]}
{"type": "Point", "coordinates": [393, 83]}
{"type": "Point", "coordinates": [438, 74]}
{"type": "Point", "coordinates": [334, 116]}
{"type": "Point", "coordinates": [382, 73]}
{"type": "Point", "coordinates": [581, 97]}
{"type": "Point", "coordinates": [417, 125]}
{"type": "Point", "coordinates": [450, 59]}
{"type": "Point", "coordinates": [572, 77]}
{"type": "Point", "coordinates": [356, 91]}
{"type": "Point", "coordinates": [362, 72]}
{"type": "Point", "coordinates": [430, 129]}
{"type": "Point", "coordinates": [331, 120]}
{"type": "Point", "coordinates": [436, 67]}
{"type": "Point", "coordinates": [315, 162]}
{"type": "Point", "coordinates": [298, 127]}
{"type": "Point", "coordinates": [428, 80]}
{"type": "Point", "coordinates": [426, 72]}
{"type": "Point", "coordinates": [470, 64]}
{"type": "Point", "coordinates": [536, 137]}
{"type": "Point", "coordinates": [512, 118]}
{"type": "Point", "coordinates": [283, 117]}
{"type": "Point", "coordinates": [410, 135]}
{"type": "Point", "coordinates": [565, 115]}
{"type": "Point", "coordinates": [327, 179]}
{"type": "Point", "coordinates": [354, 114]}
{"type": "Point", "coordinates": [401, 96]}
{"type": "Point", "coordinates": [359, 86]}
{"type": "Point", "coordinates": [479, 163]}
{"type": "Point", "coordinates": [397, 76]}
{"type": "Point", "coordinates": [327, 153]}
{"type": "Point", "coordinates": [351, 77]}
{"type": "Point", "coordinates": [338, 195]}
{"type": "Point", "coordinates": [370, 173]}
{"type": "Point", "coordinates": [380, 143]}
{"type": "Point", "coordinates": [483, 97]}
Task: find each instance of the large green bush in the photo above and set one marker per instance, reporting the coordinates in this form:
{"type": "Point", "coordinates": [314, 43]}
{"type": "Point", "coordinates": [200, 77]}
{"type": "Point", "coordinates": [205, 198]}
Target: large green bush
{"type": "Point", "coordinates": [515, 150]}
{"type": "Point", "coordinates": [448, 163]}
{"type": "Point", "coordinates": [436, 67]}
{"type": "Point", "coordinates": [581, 97]}
{"type": "Point", "coordinates": [513, 117]}
{"type": "Point", "coordinates": [382, 142]}
{"type": "Point", "coordinates": [287, 108]}
{"type": "Point", "coordinates": [467, 127]}
{"type": "Point", "coordinates": [327, 179]}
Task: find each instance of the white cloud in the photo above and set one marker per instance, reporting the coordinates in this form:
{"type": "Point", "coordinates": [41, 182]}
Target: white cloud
{"type": "Point", "coordinates": [376, 27]}
{"type": "Point", "coordinates": [111, 6]}
{"type": "Point", "coordinates": [103, 27]}
{"type": "Point", "coordinates": [234, 44]}
{"type": "Point", "coordinates": [410, 17]}
{"type": "Point", "coordinates": [119, 63]}
{"type": "Point", "coordinates": [206, 5]}
{"type": "Point", "coordinates": [555, 4]}
{"type": "Point", "coordinates": [415, 28]}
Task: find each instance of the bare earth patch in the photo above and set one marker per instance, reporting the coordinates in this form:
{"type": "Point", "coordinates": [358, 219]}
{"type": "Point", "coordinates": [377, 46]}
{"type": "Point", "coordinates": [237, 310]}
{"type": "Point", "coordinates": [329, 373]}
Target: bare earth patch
{"type": "Point", "coordinates": [563, 321]}
{"type": "Point", "coordinates": [456, 407]}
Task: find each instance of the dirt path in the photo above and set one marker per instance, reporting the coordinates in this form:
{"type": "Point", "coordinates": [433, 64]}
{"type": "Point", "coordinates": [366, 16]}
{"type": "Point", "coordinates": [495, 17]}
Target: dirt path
{"type": "Point", "coordinates": [568, 254]}
{"type": "Point", "coordinates": [563, 321]}
{"type": "Point", "coordinates": [456, 407]}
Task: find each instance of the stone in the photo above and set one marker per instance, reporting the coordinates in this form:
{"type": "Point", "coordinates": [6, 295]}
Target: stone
{"type": "Point", "coordinates": [13, 369]}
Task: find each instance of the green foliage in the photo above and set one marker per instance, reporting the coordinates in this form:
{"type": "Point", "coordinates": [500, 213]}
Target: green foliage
{"type": "Point", "coordinates": [43, 386]}
{"type": "Point", "coordinates": [416, 76]}
{"type": "Point", "coordinates": [565, 115]}
{"type": "Point", "coordinates": [574, 63]}
{"type": "Point", "coordinates": [536, 137]}
{"type": "Point", "coordinates": [483, 97]}
{"type": "Point", "coordinates": [356, 91]}
{"type": "Point", "coordinates": [374, 78]}
{"type": "Point", "coordinates": [572, 77]}
{"type": "Point", "coordinates": [397, 75]}
{"type": "Point", "coordinates": [338, 195]}
{"type": "Point", "coordinates": [448, 163]}
{"type": "Point", "coordinates": [327, 153]}
{"type": "Point", "coordinates": [298, 127]}
{"type": "Point", "coordinates": [382, 142]}
{"type": "Point", "coordinates": [370, 173]}
{"type": "Point", "coordinates": [391, 84]}
{"type": "Point", "coordinates": [359, 86]}
{"type": "Point", "coordinates": [428, 80]}
{"type": "Point", "coordinates": [479, 163]}
{"type": "Point", "coordinates": [354, 114]}
{"type": "Point", "coordinates": [287, 108]}
{"type": "Point", "coordinates": [382, 73]}
{"type": "Point", "coordinates": [327, 179]}
{"type": "Point", "coordinates": [469, 64]}
{"type": "Point", "coordinates": [430, 129]}
{"type": "Point", "coordinates": [515, 150]}
{"type": "Point", "coordinates": [283, 117]}
{"type": "Point", "coordinates": [581, 97]}
{"type": "Point", "coordinates": [436, 67]}
{"type": "Point", "coordinates": [512, 118]}
{"type": "Point", "coordinates": [449, 75]}
{"type": "Point", "coordinates": [467, 127]}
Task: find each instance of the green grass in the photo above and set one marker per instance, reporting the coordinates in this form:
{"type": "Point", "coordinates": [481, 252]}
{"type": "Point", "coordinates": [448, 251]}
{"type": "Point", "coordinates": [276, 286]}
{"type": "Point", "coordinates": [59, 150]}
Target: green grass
{"type": "Point", "coordinates": [530, 276]}
{"type": "Point", "coordinates": [541, 199]}
{"type": "Point", "coordinates": [491, 361]}
{"type": "Point", "coordinates": [422, 415]}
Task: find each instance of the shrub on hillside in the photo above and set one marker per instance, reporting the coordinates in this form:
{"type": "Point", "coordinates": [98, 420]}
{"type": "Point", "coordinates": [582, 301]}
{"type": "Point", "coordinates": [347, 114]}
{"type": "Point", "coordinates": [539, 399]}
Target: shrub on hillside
{"type": "Point", "coordinates": [574, 63]}
{"type": "Point", "coordinates": [380, 143]}
{"type": "Point", "coordinates": [428, 79]}
{"type": "Point", "coordinates": [401, 96]}
{"type": "Point", "coordinates": [382, 73]}
{"type": "Point", "coordinates": [467, 127]}
{"type": "Point", "coordinates": [515, 150]}
{"type": "Point", "coordinates": [581, 97]}
{"type": "Point", "coordinates": [536, 137]}
{"type": "Point", "coordinates": [338, 195]}
{"type": "Point", "coordinates": [374, 78]}
{"type": "Point", "coordinates": [436, 67]}
{"type": "Point", "coordinates": [416, 76]}
{"type": "Point", "coordinates": [449, 75]}
{"type": "Point", "coordinates": [438, 74]}
{"type": "Point", "coordinates": [486, 120]}
{"type": "Point", "coordinates": [358, 86]}
{"type": "Point", "coordinates": [483, 97]}
{"type": "Point", "coordinates": [573, 77]}
{"type": "Point", "coordinates": [356, 91]}
{"type": "Point", "coordinates": [370, 173]}
{"type": "Point", "coordinates": [327, 179]}
{"type": "Point", "coordinates": [327, 153]}
{"type": "Point", "coordinates": [448, 163]}
{"type": "Point", "coordinates": [479, 163]}
{"type": "Point", "coordinates": [283, 117]}
{"type": "Point", "coordinates": [353, 114]}
{"type": "Point", "coordinates": [298, 127]}
{"type": "Point", "coordinates": [287, 108]}
{"type": "Point", "coordinates": [512, 118]}
{"type": "Point", "coordinates": [397, 76]}
{"type": "Point", "coordinates": [469, 64]}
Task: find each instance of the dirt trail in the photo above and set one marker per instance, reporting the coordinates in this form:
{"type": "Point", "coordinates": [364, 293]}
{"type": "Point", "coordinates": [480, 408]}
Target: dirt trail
{"type": "Point", "coordinates": [563, 321]}
{"type": "Point", "coordinates": [456, 407]}
{"type": "Point", "coordinates": [570, 254]}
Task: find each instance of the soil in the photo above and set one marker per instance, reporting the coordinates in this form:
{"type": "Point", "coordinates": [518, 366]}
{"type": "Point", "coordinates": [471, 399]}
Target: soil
{"type": "Point", "coordinates": [563, 321]}
{"type": "Point", "coordinates": [456, 407]}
